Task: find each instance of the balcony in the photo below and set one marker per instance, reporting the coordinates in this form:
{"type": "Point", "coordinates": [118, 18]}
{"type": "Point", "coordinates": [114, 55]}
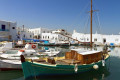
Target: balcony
{"type": "Point", "coordinates": [4, 29]}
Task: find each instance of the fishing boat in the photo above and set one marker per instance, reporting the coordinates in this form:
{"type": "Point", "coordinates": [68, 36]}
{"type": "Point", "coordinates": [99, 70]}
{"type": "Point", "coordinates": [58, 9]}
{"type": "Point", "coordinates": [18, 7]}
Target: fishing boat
{"type": "Point", "coordinates": [28, 50]}
{"type": "Point", "coordinates": [10, 60]}
{"type": "Point", "coordinates": [6, 65]}
{"type": "Point", "coordinates": [74, 61]}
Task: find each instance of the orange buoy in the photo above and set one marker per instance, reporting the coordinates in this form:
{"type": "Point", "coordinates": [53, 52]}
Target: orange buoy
{"type": "Point", "coordinates": [22, 50]}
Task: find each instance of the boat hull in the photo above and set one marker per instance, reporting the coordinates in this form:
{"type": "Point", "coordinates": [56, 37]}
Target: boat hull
{"type": "Point", "coordinates": [35, 69]}
{"type": "Point", "coordinates": [5, 66]}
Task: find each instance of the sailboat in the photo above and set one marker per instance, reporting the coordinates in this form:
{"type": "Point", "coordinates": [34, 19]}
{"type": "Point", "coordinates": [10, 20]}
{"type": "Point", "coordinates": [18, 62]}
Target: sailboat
{"type": "Point", "coordinates": [74, 61]}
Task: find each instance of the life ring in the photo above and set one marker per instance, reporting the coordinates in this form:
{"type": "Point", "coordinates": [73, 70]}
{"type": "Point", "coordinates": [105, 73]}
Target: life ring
{"type": "Point", "coordinates": [33, 46]}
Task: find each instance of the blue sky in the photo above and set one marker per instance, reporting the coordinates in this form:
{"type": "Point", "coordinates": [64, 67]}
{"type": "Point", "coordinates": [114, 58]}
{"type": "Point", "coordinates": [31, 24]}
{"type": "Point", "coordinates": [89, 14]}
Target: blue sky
{"type": "Point", "coordinates": [65, 14]}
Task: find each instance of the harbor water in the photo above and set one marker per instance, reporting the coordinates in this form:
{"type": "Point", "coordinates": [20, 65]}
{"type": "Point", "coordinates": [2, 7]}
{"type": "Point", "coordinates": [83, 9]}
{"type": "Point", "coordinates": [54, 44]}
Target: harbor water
{"type": "Point", "coordinates": [110, 72]}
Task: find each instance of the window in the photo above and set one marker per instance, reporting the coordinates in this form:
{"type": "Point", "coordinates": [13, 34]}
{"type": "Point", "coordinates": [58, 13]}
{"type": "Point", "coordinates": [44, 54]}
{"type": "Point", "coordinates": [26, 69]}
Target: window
{"type": "Point", "coordinates": [95, 39]}
{"type": "Point", "coordinates": [13, 27]}
{"type": "Point", "coordinates": [87, 39]}
{"type": "Point", "coordinates": [3, 27]}
{"type": "Point", "coordinates": [30, 36]}
{"type": "Point", "coordinates": [97, 56]}
{"type": "Point", "coordinates": [24, 35]}
{"type": "Point", "coordinates": [86, 58]}
{"type": "Point", "coordinates": [104, 40]}
{"type": "Point", "coordinates": [55, 38]}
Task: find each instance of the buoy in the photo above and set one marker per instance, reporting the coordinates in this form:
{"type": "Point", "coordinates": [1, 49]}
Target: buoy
{"type": "Point", "coordinates": [103, 62]}
{"type": "Point", "coordinates": [76, 68]}
{"type": "Point", "coordinates": [95, 66]}
{"type": "Point", "coordinates": [22, 50]}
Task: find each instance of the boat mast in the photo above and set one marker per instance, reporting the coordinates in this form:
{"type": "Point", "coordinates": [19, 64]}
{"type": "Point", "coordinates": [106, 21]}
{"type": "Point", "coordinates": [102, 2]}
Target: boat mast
{"type": "Point", "coordinates": [91, 11]}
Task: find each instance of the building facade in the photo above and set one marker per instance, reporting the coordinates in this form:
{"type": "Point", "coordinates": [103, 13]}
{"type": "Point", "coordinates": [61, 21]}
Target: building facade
{"type": "Point", "coordinates": [56, 36]}
{"type": "Point", "coordinates": [98, 39]}
{"type": "Point", "coordinates": [8, 30]}
{"type": "Point", "coordinates": [24, 33]}
{"type": "Point", "coordinates": [38, 32]}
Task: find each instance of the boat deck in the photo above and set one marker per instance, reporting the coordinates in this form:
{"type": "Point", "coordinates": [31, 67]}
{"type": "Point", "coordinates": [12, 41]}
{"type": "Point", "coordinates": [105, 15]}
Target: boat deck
{"type": "Point", "coordinates": [61, 62]}
{"type": "Point", "coordinates": [69, 61]}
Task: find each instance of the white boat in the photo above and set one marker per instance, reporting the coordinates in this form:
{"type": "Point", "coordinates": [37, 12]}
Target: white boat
{"type": "Point", "coordinates": [10, 60]}
{"type": "Point", "coordinates": [10, 65]}
{"type": "Point", "coordinates": [6, 46]}
{"type": "Point", "coordinates": [29, 50]}
{"type": "Point", "coordinates": [51, 52]}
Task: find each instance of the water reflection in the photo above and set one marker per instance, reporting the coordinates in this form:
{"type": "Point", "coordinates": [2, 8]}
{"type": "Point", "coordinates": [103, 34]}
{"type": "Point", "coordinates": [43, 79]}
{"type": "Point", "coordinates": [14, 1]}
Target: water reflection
{"type": "Point", "coordinates": [10, 75]}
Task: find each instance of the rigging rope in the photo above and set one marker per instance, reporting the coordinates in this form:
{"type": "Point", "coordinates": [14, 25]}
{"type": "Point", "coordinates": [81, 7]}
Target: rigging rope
{"type": "Point", "coordinates": [80, 14]}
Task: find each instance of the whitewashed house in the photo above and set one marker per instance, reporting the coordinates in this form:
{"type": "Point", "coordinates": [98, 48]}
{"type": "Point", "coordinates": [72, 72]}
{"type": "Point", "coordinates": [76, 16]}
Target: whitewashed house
{"type": "Point", "coordinates": [56, 36]}
{"type": "Point", "coordinates": [38, 31]}
{"type": "Point", "coordinates": [24, 33]}
{"type": "Point", "coordinates": [98, 39]}
{"type": "Point", "coordinates": [8, 30]}
{"type": "Point", "coordinates": [52, 37]}
{"type": "Point", "coordinates": [61, 31]}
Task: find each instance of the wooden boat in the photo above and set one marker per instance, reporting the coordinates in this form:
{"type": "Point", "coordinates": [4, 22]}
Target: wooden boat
{"type": "Point", "coordinates": [75, 61]}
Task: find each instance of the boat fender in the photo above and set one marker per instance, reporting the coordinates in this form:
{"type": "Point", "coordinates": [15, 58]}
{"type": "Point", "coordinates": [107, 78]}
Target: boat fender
{"type": "Point", "coordinates": [76, 68]}
{"type": "Point", "coordinates": [95, 66]}
{"type": "Point", "coordinates": [33, 46]}
{"type": "Point", "coordinates": [103, 62]}
{"type": "Point", "coordinates": [22, 50]}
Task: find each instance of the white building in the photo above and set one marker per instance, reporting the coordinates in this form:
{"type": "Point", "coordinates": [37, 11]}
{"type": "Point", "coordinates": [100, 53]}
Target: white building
{"type": "Point", "coordinates": [56, 36]}
{"type": "Point", "coordinates": [61, 31]}
{"type": "Point", "coordinates": [24, 33]}
{"type": "Point", "coordinates": [98, 39]}
{"type": "Point", "coordinates": [53, 38]}
{"type": "Point", "coordinates": [38, 31]}
{"type": "Point", "coordinates": [8, 30]}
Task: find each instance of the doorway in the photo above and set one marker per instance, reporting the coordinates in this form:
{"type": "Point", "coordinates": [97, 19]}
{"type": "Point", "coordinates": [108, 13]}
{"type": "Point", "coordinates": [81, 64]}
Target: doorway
{"type": "Point", "coordinates": [104, 40]}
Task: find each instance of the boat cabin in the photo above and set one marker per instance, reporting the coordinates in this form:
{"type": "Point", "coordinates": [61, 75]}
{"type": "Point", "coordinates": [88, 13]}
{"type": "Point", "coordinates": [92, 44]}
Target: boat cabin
{"type": "Point", "coordinates": [85, 57]}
